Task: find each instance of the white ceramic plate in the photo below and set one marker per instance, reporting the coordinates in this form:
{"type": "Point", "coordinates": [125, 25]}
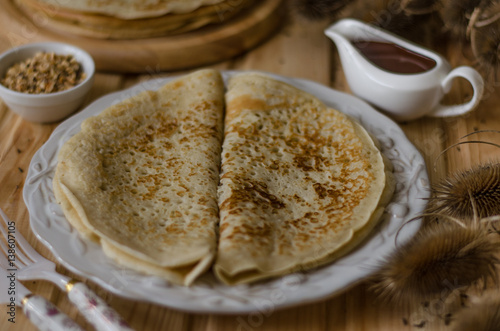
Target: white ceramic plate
{"type": "Point", "coordinates": [208, 295]}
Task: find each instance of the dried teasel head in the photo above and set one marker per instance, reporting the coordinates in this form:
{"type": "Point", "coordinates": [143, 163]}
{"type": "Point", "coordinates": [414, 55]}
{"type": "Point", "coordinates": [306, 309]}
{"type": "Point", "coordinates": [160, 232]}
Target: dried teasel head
{"type": "Point", "coordinates": [485, 13]}
{"type": "Point", "coordinates": [373, 12]}
{"type": "Point", "coordinates": [438, 261]}
{"type": "Point", "coordinates": [401, 18]}
{"type": "Point", "coordinates": [399, 23]}
{"type": "Point", "coordinates": [468, 195]}
{"type": "Point", "coordinates": [483, 315]}
{"type": "Point", "coordinates": [471, 194]}
{"type": "Point", "coordinates": [319, 9]}
{"type": "Point", "coordinates": [417, 28]}
{"type": "Point", "coordinates": [456, 15]}
{"type": "Point", "coordinates": [485, 44]}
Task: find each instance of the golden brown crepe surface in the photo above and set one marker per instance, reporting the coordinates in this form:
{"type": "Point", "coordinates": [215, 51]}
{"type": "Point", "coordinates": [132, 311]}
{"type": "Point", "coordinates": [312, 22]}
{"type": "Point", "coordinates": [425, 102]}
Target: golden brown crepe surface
{"type": "Point", "coordinates": [300, 183]}
{"type": "Point", "coordinates": [142, 177]}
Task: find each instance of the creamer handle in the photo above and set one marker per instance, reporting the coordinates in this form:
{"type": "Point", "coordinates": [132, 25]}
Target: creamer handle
{"type": "Point", "coordinates": [477, 82]}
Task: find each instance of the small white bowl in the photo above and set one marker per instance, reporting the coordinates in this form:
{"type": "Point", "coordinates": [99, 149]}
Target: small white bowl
{"type": "Point", "coordinates": [48, 107]}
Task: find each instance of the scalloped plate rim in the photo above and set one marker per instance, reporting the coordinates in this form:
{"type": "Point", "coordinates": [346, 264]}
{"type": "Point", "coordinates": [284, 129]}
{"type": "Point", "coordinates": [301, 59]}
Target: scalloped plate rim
{"type": "Point", "coordinates": [297, 294]}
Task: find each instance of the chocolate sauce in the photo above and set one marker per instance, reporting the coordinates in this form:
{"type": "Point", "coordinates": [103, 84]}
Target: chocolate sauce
{"type": "Point", "coordinates": [394, 58]}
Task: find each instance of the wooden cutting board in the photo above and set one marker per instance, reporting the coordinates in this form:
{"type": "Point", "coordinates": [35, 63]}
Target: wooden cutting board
{"type": "Point", "coordinates": [202, 47]}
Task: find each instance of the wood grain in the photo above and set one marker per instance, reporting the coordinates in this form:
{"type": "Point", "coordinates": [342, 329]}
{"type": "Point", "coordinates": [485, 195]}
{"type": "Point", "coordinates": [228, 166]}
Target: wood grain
{"type": "Point", "coordinates": [298, 50]}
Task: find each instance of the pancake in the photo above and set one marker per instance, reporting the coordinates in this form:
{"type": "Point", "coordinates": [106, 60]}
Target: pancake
{"type": "Point", "coordinates": [301, 184]}
{"type": "Point", "coordinates": [101, 26]}
{"type": "Point", "coordinates": [127, 9]}
{"type": "Point", "coordinates": [141, 178]}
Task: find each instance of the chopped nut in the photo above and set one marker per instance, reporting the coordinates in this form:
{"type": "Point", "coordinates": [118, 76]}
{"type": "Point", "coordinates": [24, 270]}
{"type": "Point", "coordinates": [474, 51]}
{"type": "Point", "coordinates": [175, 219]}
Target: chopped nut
{"type": "Point", "coordinates": [44, 73]}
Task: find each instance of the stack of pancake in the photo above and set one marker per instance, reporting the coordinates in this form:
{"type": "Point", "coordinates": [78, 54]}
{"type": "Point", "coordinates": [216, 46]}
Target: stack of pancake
{"type": "Point", "coordinates": [130, 19]}
{"type": "Point", "coordinates": [256, 182]}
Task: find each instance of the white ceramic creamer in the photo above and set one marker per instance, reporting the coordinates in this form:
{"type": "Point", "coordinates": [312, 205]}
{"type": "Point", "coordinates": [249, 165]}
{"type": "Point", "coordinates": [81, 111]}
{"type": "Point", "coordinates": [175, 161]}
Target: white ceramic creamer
{"type": "Point", "coordinates": [403, 79]}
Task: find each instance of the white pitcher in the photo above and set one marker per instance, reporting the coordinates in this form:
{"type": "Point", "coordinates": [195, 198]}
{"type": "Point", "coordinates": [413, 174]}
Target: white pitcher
{"type": "Point", "coordinates": [404, 96]}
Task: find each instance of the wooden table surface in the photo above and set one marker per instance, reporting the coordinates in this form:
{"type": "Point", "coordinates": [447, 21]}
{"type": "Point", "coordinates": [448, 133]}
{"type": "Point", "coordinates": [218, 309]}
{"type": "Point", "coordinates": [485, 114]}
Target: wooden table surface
{"type": "Point", "coordinates": [298, 49]}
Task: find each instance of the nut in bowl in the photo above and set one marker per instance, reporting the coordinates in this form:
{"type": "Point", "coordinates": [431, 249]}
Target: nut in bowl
{"type": "Point", "coordinates": [45, 82]}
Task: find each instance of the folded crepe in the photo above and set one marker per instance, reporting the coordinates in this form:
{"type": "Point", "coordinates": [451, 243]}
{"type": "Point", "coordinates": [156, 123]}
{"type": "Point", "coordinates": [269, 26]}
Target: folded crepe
{"type": "Point", "coordinates": [301, 184]}
{"type": "Point", "coordinates": [126, 9]}
{"type": "Point", "coordinates": [141, 177]}
{"type": "Point", "coordinates": [126, 20]}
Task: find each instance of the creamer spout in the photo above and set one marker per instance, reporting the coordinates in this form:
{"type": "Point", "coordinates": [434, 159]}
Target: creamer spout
{"type": "Point", "coordinates": [399, 77]}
